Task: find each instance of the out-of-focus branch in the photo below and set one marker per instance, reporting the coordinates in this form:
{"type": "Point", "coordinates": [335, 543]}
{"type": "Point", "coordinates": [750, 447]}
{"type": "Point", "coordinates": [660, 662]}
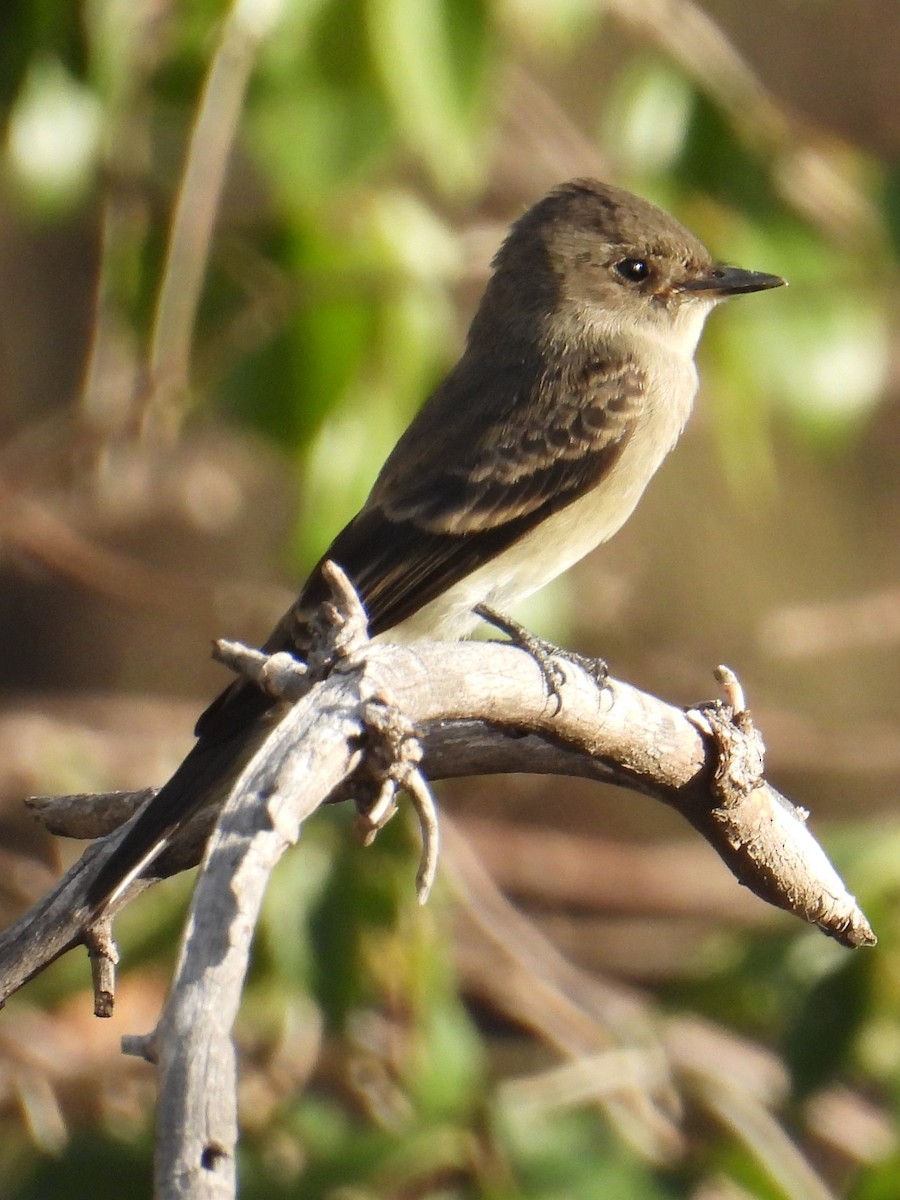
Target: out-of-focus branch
{"type": "Point", "coordinates": [804, 166]}
{"type": "Point", "coordinates": [617, 1053]}
{"type": "Point", "coordinates": [245, 27]}
{"type": "Point", "coordinates": [803, 631]}
{"type": "Point", "coordinates": [31, 528]}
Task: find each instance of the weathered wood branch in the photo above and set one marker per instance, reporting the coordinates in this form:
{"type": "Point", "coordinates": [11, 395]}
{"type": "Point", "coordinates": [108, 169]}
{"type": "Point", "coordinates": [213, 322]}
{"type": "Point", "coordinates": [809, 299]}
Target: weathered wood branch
{"type": "Point", "coordinates": [361, 732]}
{"type": "Point", "coordinates": [479, 709]}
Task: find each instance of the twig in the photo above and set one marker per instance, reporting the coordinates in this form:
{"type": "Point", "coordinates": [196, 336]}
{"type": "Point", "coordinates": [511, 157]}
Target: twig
{"type": "Point", "coordinates": [423, 802]}
{"type": "Point", "coordinates": [87, 815]}
{"type": "Point", "coordinates": [391, 765]}
{"type": "Point", "coordinates": [103, 956]}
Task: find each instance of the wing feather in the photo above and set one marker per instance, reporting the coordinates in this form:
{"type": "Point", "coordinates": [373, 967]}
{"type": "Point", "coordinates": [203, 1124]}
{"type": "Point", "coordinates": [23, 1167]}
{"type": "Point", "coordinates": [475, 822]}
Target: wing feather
{"type": "Point", "coordinates": [485, 485]}
{"type": "Point", "coordinates": [465, 482]}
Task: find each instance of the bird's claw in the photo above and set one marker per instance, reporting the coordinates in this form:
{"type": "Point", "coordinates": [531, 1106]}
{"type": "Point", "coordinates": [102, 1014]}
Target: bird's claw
{"type": "Point", "coordinates": [548, 656]}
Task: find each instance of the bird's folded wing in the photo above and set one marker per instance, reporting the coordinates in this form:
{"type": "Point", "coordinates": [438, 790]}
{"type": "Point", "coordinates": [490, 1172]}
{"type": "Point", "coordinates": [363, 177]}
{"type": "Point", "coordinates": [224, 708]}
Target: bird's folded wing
{"type": "Point", "coordinates": [425, 529]}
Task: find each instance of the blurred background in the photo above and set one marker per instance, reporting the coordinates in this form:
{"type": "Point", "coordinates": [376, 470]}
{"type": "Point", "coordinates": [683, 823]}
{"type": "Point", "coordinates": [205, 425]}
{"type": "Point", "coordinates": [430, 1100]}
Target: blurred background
{"type": "Point", "coordinates": [238, 245]}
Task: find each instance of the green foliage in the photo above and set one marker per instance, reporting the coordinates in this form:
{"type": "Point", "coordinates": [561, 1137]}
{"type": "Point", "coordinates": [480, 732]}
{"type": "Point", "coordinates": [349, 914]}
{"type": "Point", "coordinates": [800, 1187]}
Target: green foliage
{"type": "Point", "coordinates": [892, 205]}
{"type": "Point", "coordinates": [90, 1165]}
{"type": "Point", "coordinates": [570, 1155]}
{"type": "Point", "coordinates": [715, 162]}
{"type": "Point", "coordinates": [825, 1024]}
{"type": "Point", "coordinates": [36, 29]}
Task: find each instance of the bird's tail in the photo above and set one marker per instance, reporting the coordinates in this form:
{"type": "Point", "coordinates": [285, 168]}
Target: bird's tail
{"type": "Point", "coordinates": [201, 782]}
{"type": "Point", "coordinates": [229, 733]}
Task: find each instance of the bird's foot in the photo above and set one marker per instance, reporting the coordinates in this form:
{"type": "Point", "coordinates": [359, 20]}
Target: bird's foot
{"type": "Point", "coordinates": [548, 656]}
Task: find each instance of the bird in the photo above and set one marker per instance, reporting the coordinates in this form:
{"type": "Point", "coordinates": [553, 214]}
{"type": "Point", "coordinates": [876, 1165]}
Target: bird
{"type": "Point", "coordinates": [575, 381]}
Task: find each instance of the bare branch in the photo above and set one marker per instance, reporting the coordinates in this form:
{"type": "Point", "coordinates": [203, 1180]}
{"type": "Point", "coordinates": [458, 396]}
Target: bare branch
{"type": "Point", "coordinates": [367, 715]}
{"type": "Point", "coordinates": [483, 708]}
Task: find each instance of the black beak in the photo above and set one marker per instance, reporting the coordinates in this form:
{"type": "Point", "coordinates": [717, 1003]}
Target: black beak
{"type": "Point", "coordinates": [731, 281]}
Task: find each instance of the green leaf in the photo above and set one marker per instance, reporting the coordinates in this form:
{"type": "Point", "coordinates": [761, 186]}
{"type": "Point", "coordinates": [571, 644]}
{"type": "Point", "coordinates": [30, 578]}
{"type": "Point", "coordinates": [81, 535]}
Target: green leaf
{"type": "Point", "coordinates": [826, 1022]}
{"type": "Point", "coordinates": [428, 57]}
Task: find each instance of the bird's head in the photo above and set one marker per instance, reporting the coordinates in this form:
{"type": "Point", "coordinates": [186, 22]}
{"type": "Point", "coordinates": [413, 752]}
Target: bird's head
{"type": "Point", "coordinates": [606, 258]}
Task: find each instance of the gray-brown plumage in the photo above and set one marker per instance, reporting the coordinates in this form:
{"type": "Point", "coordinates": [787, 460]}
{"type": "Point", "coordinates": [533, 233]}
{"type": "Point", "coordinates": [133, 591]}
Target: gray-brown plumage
{"type": "Point", "coordinates": [576, 379]}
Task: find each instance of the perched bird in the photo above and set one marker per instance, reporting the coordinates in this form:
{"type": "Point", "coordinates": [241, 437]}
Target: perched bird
{"type": "Point", "coordinates": [576, 379]}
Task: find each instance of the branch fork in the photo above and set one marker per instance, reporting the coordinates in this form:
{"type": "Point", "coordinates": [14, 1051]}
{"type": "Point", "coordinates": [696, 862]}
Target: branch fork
{"type": "Point", "coordinates": [391, 751]}
{"type": "Point", "coordinates": [373, 719]}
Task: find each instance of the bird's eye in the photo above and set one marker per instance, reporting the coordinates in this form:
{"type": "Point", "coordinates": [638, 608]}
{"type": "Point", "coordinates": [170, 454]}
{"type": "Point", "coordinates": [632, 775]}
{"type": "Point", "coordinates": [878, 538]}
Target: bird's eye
{"type": "Point", "coordinates": [633, 269]}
